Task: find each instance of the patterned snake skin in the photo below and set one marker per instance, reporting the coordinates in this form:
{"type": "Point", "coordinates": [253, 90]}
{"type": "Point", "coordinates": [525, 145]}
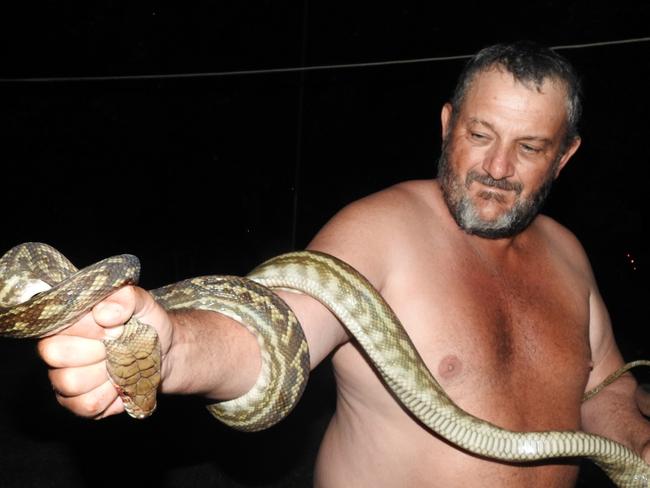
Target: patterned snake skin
{"type": "Point", "coordinates": [285, 358]}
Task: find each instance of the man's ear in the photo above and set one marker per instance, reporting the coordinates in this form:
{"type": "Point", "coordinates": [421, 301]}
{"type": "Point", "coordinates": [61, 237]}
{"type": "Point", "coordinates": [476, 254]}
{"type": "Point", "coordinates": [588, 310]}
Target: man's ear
{"type": "Point", "coordinates": [570, 151]}
{"type": "Point", "coordinates": [445, 118]}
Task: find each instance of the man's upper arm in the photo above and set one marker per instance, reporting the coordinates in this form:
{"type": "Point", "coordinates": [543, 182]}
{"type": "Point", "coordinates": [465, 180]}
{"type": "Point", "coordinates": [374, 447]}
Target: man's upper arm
{"type": "Point", "coordinates": [358, 235]}
{"type": "Point", "coordinates": [323, 331]}
{"type": "Point", "coordinates": [605, 354]}
{"type": "Point", "coordinates": [613, 412]}
{"type": "Point", "coordinates": [599, 414]}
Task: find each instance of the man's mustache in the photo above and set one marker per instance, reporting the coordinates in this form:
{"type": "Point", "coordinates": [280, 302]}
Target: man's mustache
{"type": "Point", "coordinates": [487, 180]}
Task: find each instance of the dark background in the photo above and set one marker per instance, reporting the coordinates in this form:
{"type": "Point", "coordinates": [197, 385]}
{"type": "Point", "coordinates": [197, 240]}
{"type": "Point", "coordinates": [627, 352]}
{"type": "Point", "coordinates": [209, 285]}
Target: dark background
{"type": "Point", "coordinates": [212, 174]}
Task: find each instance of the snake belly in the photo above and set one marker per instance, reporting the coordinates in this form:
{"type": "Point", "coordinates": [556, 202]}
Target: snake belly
{"type": "Point", "coordinates": [367, 318]}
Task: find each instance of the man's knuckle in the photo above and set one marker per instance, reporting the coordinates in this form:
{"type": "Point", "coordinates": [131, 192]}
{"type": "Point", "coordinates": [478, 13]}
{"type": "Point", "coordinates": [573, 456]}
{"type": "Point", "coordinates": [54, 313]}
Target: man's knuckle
{"type": "Point", "coordinates": [49, 351]}
{"type": "Point", "coordinates": [67, 381]}
{"type": "Point", "coordinates": [89, 406]}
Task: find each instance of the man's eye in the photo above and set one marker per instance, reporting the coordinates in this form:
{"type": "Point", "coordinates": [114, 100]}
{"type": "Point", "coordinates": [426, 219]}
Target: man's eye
{"type": "Point", "coordinates": [530, 149]}
{"type": "Point", "coordinates": [477, 136]}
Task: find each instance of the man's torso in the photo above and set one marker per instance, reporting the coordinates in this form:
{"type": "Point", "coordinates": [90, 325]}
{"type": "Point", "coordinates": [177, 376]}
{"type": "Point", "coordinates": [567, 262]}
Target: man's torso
{"type": "Point", "coordinates": [506, 338]}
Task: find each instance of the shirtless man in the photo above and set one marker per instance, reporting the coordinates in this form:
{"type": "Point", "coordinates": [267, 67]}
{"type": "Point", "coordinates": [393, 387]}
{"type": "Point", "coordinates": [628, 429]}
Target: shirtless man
{"type": "Point", "coordinates": [501, 302]}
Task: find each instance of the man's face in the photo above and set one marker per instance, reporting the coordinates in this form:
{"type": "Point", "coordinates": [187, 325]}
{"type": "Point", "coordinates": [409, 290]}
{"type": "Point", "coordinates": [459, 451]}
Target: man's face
{"type": "Point", "coordinates": [501, 153]}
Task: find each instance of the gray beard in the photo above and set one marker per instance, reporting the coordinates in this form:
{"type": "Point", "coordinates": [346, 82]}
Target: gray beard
{"type": "Point", "coordinates": [459, 203]}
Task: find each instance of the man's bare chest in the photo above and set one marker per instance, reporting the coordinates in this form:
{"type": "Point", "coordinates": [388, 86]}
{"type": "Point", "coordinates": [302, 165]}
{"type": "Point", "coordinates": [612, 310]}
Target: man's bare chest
{"type": "Point", "coordinates": [516, 343]}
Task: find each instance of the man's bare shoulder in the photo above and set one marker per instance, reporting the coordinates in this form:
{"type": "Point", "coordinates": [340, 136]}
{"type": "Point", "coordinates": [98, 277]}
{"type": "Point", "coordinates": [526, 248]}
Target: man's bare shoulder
{"type": "Point", "coordinates": [370, 233]}
{"type": "Point", "coordinates": [403, 197]}
{"type": "Point", "coordinates": [564, 244]}
{"type": "Point", "coordinates": [388, 207]}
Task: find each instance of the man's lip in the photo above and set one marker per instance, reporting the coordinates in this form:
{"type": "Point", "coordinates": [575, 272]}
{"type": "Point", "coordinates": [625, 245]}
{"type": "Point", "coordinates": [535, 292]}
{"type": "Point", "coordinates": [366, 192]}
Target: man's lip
{"type": "Point", "coordinates": [493, 188]}
{"type": "Point", "coordinates": [491, 193]}
{"type": "Point", "coordinates": [485, 187]}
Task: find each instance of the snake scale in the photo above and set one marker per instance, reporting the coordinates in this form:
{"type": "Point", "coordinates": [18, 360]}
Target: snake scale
{"type": "Point", "coordinates": [41, 292]}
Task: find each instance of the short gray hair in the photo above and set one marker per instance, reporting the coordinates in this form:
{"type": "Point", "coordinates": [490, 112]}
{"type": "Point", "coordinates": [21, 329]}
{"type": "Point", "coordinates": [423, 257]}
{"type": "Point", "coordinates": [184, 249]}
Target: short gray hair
{"type": "Point", "coordinates": [529, 63]}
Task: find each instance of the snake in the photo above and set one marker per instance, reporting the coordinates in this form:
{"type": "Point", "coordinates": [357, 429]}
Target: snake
{"type": "Point", "coordinates": [41, 293]}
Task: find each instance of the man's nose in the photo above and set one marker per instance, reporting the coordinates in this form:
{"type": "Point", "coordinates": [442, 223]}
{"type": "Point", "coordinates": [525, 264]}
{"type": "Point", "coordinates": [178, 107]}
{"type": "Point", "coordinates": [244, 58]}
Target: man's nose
{"type": "Point", "coordinates": [499, 163]}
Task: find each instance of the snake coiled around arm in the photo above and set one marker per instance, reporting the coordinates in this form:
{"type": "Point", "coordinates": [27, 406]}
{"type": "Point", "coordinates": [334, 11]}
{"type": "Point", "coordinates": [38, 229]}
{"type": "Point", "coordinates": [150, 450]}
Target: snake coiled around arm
{"type": "Point", "coordinates": [360, 308]}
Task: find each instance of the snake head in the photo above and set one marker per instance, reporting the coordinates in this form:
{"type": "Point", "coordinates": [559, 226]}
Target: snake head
{"type": "Point", "coordinates": [133, 365]}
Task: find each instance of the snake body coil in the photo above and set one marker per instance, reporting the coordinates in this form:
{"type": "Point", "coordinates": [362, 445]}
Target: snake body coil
{"type": "Point", "coordinates": [367, 318]}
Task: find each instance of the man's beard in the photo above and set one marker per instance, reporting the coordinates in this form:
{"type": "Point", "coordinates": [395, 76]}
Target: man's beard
{"type": "Point", "coordinates": [459, 202]}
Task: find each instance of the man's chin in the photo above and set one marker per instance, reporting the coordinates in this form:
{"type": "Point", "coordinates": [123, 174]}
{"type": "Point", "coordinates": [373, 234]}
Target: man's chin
{"type": "Point", "coordinates": [489, 231]}
{"type": "Point", "coordinates": [488, 219]}
{"type": "Point", "coordinates": [490, 211]}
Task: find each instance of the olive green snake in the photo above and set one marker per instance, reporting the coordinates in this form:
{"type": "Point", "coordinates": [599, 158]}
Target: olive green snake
{"type": "Point", "coordinates": [41, 293]}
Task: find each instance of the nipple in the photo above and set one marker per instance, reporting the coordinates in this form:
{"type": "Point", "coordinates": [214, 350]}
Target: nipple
{"type": "Point", "coordinates": [449, 367]}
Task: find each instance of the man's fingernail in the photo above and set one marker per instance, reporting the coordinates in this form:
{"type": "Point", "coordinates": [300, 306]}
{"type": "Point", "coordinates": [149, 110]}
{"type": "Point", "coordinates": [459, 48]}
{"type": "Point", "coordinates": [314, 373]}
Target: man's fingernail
{"type": "Point", "coordinates": [114, 332]}
{"type": "Point", "coordinates": [107, 310]}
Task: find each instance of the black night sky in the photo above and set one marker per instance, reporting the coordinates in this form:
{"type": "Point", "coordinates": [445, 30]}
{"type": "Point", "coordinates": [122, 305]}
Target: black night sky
{"type": "Point", "coordinates": [206, 173]}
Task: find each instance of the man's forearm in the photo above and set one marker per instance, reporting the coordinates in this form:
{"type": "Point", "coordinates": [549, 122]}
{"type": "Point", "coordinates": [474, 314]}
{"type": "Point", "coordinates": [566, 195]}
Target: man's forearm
{"type": "Point", "coordinates": [210, 355]}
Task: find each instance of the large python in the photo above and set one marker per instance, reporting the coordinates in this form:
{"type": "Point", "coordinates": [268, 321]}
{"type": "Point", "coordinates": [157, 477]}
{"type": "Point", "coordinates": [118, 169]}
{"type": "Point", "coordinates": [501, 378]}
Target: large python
{"type": "Point", "coordinates": [41, 292]}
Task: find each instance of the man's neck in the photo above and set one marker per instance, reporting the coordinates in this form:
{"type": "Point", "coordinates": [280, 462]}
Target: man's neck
{"type": "Point", "coordinates": [500, 250]}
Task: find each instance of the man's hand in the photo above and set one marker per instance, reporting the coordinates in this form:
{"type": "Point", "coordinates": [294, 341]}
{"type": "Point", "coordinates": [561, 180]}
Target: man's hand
{"type": "Point", "coordinates": [76, 356]}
